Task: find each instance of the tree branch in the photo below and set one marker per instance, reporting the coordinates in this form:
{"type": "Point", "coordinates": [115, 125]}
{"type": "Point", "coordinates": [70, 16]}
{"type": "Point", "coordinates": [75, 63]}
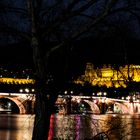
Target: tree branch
{"type": "Point", "coordinates": [15, 32]}
{"type": "Point", "coordinates": [13, 9]}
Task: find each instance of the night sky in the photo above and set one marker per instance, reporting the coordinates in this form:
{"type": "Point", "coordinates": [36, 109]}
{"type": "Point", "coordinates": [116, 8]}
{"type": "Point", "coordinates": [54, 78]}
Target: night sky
{"type": "Point", "coordinates": [103, 46]}
{"type": "Point", "coordinates": [98, 52]}
{"type": "Point", "coordinates": [16, 56]}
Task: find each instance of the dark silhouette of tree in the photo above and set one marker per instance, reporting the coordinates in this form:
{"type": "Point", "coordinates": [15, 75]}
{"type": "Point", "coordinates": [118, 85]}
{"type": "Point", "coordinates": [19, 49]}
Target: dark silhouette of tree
{"type": "Point", "coordinates": [50, 28]}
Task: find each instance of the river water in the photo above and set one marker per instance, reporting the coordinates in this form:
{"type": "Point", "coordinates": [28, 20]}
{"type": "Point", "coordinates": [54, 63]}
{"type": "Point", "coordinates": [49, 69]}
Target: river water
{"type": "Point", "coordinates": [73, 127]}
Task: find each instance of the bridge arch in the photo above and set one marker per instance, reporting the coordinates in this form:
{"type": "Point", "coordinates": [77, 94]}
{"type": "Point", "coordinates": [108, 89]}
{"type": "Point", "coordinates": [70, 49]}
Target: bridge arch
{"type": "Point", "coordinates": [94, 107]}
{"type": "Point", "coordinates": [19, 104]}
{"type": "Point", "coordinates": [121, 108]}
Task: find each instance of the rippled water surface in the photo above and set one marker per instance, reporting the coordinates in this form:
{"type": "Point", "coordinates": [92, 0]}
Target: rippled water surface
{"type": "Point", "coordinates": [16, 127]}
{"type": "Point", "coordinates": [73, 127]}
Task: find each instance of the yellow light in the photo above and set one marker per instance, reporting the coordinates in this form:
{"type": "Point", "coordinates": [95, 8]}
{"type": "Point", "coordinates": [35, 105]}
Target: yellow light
{"type": "Point", "coordinates": [109, 77]}
{"type": "Point", "coordinates": [17, 81]}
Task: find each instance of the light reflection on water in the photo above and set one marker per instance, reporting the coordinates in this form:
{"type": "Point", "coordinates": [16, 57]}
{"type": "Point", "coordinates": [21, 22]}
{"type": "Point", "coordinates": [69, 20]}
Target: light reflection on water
{"type": "Point", "coordinates": [80, 127]}
{"type": "Point", "coordinates": [16, 127]}
{"type": "Point", "coordinates": [73, 127]}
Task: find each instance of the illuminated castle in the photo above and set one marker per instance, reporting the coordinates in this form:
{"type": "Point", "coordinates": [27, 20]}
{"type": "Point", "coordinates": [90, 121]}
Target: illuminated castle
{"type": "Point", "coordinates": [109, 76]}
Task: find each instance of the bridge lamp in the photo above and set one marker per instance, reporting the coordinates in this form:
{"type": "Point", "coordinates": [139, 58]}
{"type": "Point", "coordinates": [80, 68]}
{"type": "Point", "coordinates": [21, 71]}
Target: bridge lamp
{"type": "Point", "coordinates": [104, 93]}
{"type": "Point", "coordinates": [27, 90]}
{"type": "Point", "coordinates": [128, 97]}
{"type": "Point", "coordinates": [66, 92]}
{"type": "Point", "coordinates": [99, 93]}
{"type": "Point", "coordinates": [71, 92]}
{"type": "Point", "coordinates": [21, 90]}
{"type": "Point", "coordinates": [33, 90]}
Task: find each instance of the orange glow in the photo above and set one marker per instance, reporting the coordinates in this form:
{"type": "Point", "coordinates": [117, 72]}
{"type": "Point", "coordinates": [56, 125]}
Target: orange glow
{"type": "Point", "coordinates": [16, 81]}
{"type": "Point", "coordinates": [109, 76]}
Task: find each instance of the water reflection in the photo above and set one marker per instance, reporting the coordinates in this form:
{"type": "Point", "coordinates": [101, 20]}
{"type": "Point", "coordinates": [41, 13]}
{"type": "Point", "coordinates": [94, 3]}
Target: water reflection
{"type": "Point", "coordinates": [73, 127]}
{"type": "Point", "coordinates": [81, 127]}
{"type": "Point", "coordinates": [16, 127]}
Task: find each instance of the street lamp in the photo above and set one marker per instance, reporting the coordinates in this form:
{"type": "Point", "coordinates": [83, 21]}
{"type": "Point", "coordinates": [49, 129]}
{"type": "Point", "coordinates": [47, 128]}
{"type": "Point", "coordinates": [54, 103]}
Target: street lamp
{"type": "Point", "coordinates": [21, 90]}
{"type": "Point", "coordinates": [27, 90]}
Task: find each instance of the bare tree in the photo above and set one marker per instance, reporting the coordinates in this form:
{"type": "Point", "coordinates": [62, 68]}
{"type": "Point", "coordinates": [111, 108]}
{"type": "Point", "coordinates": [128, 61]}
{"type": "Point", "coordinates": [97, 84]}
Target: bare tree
{"type": "Point", "coordinates": [50, 27]}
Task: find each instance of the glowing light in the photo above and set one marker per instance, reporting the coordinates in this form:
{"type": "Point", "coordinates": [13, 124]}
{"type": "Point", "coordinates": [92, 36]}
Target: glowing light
{"type": "Point", "coordinates": [27, 90]}
{"type": "Point", "coordinates": [99, 93]}
{"type": "Point", "coordinates": [78, 100]}
{"type": "Point", "coordinates": [128, 97]}
{"type": "Point", "coordinates": [105, 93]}
{"type": "Point", "coordinates": [16, 81]}
{"type": "Point", "coordinates": [71, 92]}
{"type": "Point", "coordinates": [21, 90]}
{"type": "Point", "coordinates": [107, 76]}
{"type": "Point", "coordinates": [134, 98]}
{"type": "Point", "coordinates": [33, 90]}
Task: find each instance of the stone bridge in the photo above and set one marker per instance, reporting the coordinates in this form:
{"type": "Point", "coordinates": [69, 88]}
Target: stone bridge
{"type": "Point", "coordinates": [17, 102]}
{"type": "Point", "coordinates": [23, 103]}
{"type": "Point", "coordinates": [102, 105]}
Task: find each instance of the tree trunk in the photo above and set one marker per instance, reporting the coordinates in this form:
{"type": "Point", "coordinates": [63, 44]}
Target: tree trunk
{"type": "Point", "coordinates": [45, 95]}
{"type": "Point", "coordinates": [42, 117]}
{"type": "Point", "coordinates": [44, 107]}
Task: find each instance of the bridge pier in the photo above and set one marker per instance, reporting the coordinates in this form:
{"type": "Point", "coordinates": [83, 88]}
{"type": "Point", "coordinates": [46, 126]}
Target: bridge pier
{"type": "Point", "coordinates": [29, 106]}
{"type": "Point", "coordinates": [68, 105]}
{"type": "Point", "coordinates": [103, 108]}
